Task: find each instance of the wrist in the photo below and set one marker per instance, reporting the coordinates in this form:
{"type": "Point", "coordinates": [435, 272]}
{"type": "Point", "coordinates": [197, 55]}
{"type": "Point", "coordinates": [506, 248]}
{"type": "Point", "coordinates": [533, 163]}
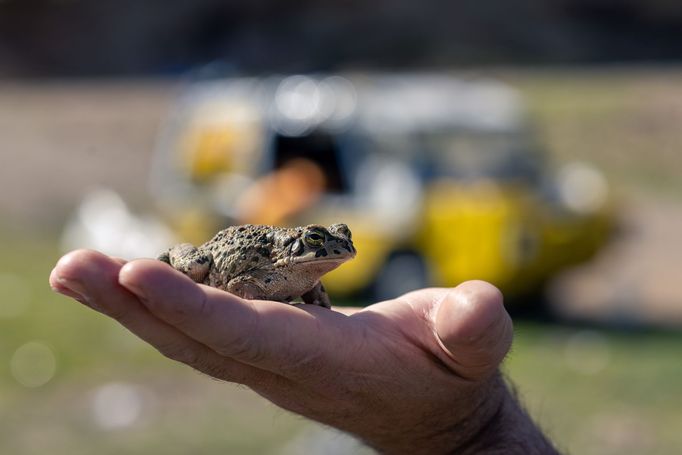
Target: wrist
{"type": "Point", "coordinates": [496, 424]}
{"type": "Point", "coordinates": [510, 430]}
{"type": "Point", "coordinates": [451, 427]}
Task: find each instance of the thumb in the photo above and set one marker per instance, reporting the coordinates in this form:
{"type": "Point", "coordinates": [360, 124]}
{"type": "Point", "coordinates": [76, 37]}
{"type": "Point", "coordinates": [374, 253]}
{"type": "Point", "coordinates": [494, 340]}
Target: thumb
{"type": "Point", "coordinates": [474, 329]}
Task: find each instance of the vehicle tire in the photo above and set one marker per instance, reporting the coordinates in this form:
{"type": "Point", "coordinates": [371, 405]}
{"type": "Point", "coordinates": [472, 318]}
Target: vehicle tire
{"type": "Point", "coordinates": [403, 271]}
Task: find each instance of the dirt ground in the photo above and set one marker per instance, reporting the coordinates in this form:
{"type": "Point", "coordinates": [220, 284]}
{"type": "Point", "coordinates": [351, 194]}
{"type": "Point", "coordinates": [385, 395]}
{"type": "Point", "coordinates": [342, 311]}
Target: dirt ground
{"type": "Point", "coordinates": [637, 280]}
{"type": "Point", "coordinates": [59, 140]}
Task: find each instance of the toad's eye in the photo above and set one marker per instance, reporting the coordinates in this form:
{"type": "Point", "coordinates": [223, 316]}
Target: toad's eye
{"type": "Point", "coordinates": [313, 238]}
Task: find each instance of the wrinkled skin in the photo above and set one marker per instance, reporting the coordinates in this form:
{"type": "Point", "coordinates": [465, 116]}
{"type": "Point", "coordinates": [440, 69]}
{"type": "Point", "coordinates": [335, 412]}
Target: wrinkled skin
{"type": "Point", "coordinates": [266, 262]}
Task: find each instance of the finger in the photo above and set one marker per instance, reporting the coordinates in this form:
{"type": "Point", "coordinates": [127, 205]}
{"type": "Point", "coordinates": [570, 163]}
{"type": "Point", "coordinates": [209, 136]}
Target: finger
{"type": "Point", "coordinates": [93, 278]}
{"type": "Point", "coordinates": [285, 339]}
{"type": "Point", "coordinates": [474, 329]}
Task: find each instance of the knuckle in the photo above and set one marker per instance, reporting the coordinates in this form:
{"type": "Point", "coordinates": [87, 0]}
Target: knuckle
{"type": "Point", "coordinates": [118, 312]}
{"type": "Point", "coordinates": [180, 353]}
{"type": "Point", "coordinates": [204, 307]}
{"type": "Point", "coordinates": [199, 361]}
{"type": "Point", "coordinates": [243, 348]}
{"type": "Point", "coordinates": [220, 370]}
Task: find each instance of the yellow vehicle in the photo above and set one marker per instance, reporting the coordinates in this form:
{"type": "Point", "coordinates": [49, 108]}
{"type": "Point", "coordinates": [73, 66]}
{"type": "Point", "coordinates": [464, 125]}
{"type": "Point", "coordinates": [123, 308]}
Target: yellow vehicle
{"type": "Point", "coordinates": [439, 178]}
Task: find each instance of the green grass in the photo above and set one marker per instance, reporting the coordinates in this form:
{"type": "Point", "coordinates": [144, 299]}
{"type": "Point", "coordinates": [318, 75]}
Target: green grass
{"type": "Point", "coordinates": [599, 391]}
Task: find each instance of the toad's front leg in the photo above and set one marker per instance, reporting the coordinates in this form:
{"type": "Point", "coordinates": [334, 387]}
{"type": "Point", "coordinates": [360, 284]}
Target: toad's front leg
{"type": "Point", "coordinates": [190, 260]}
{"type": "Point", "coordinates": [317, 296]}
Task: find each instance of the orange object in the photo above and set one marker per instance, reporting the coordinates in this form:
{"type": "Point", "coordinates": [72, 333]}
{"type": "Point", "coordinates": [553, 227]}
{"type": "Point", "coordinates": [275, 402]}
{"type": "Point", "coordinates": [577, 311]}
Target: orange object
{"type": "Point", "coordinates": [271, 199]}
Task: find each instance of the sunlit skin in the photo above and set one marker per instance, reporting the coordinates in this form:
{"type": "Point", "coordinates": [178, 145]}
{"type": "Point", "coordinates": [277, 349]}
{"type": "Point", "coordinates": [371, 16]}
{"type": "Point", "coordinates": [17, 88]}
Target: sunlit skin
{"type": "Point", "coordinates": [418, 374]}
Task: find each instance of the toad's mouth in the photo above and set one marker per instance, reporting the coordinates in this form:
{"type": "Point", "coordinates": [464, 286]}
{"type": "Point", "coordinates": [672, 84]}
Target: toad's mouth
{"type": "Point", "coordinates": [311, 260]}
{"type": "Point", "coordinates": [320, 261]}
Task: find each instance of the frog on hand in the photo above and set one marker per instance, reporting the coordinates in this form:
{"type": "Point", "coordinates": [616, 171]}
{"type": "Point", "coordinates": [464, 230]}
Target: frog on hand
{"type": "Point", "coordinates": [267, 262]}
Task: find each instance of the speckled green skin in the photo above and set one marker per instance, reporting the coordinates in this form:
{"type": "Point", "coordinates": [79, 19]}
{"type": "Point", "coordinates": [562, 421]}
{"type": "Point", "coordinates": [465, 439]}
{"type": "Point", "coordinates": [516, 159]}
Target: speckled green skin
{"type": "Point", "coordinates": [267, 262]}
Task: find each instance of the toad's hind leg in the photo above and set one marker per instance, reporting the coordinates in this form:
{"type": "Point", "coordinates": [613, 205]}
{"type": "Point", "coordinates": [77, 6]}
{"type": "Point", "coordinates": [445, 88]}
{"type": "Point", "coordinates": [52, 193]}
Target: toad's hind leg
{"type": "Point", "coordinates": [317, 296]}
{"type": "Point", "coordinates": [246, 288]}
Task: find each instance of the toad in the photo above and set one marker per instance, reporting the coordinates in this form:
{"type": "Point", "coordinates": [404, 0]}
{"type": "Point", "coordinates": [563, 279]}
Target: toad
{"type": "Point", "coordinates": [267, 262]}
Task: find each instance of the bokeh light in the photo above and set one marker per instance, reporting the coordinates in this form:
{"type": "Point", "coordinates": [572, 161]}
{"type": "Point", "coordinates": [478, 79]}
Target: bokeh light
{"type": "Point", "coordinates": [33, 364]}
{"type": "Point", "coordinates": [583, 188]}
{"type": "Point", "coordinates": [117, 405]}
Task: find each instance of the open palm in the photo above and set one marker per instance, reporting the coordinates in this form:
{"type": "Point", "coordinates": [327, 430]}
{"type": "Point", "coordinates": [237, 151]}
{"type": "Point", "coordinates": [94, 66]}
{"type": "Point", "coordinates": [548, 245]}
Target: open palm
{"type": "Point", "coordinates": [406, 375]}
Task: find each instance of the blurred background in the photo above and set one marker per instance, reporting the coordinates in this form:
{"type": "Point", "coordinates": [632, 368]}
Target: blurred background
{"type": "Point", "coordinates": [531, 144]}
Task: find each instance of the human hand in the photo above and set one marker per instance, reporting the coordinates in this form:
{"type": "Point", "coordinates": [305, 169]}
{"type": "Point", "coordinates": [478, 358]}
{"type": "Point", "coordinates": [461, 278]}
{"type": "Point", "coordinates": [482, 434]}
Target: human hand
{"type": "Point", "coordinates": [417, 374]}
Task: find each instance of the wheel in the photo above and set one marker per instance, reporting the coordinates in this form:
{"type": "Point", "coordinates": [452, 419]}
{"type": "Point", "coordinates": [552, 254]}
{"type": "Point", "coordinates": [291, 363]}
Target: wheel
{"type": "Point", "coordinates": [403, 271]}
